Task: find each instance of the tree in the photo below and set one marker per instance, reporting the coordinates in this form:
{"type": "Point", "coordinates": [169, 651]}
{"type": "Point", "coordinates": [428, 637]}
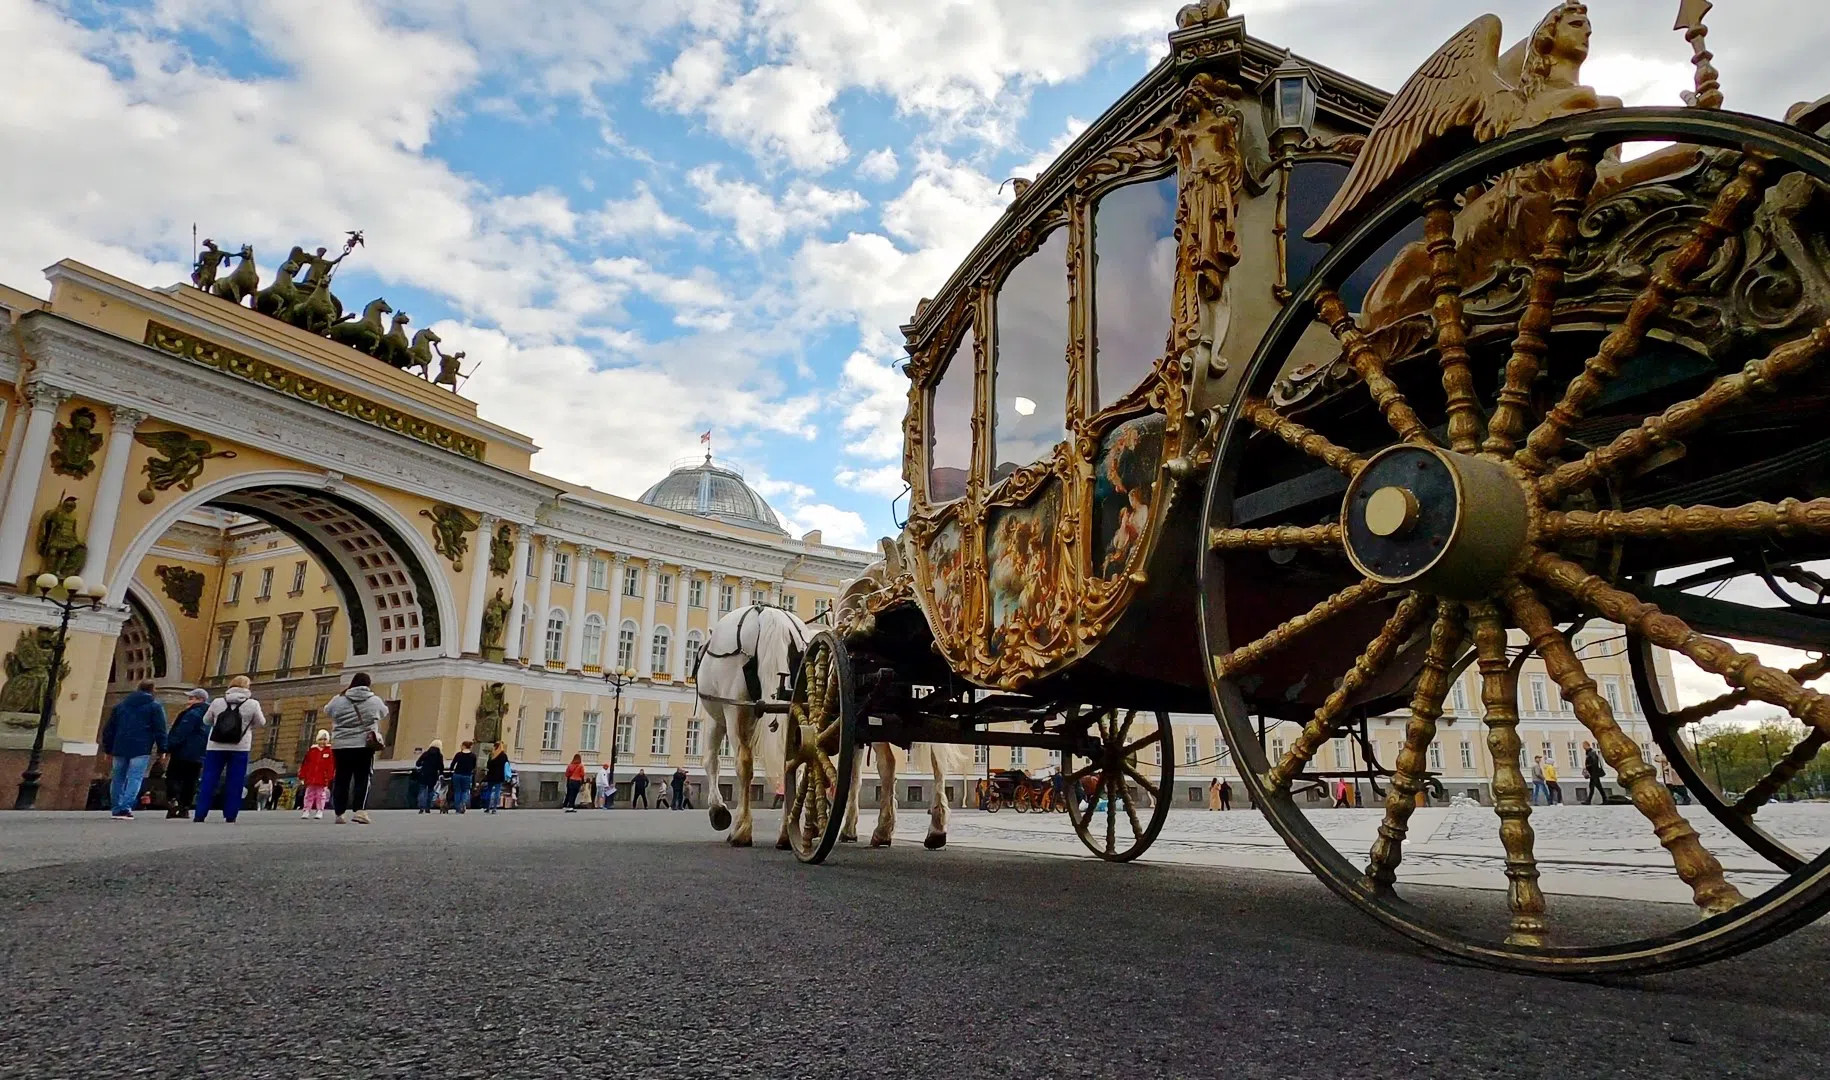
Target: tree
{"type": "Point", "coordinates": [1734, 755]}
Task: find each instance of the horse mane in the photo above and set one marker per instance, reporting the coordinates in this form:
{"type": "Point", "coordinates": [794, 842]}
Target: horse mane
{"type": "Point", "coordinates": [780, 640]}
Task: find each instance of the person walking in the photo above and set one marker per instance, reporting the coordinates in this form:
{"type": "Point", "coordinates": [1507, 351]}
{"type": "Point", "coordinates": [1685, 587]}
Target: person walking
{"type": "Point", "coordinates": [1595, 794]}
{"type": "Point", "coordinates": [1213, 794]}
{"type": "Point", "coordinates": [1340, 795]}
{"type": "Point", "coordinates": [133, 736]}
{"type": "Point", "coordinates": [639, 789]}
{"type": "Point", "coordinates": [678, 801]}
{"type": "Point", "coordinates": [606, 785]}
{"type": "Point", "coordinates": [317, 772]}
{"type": "Point", "coordinates": [232, 719]}
{"type": "Point", "coordinates": [1539, 793]}
{"type": "Point", "coordinates": [184, 745]}
{"type": "Point", "coordinates": [575, 779]}
{"type": "Point", "coordinates": [1553, 790]}
{"type": "Point", "coordinates": [355, 734]}
{"type": "Point", "coordinates": [429, 767]}
{"type": "Point", "coordinates": [263, 793]}
{"type": "Point", "coordinates": [495, 776]}
{"type": "Point", "coordinates": [1668, 776]}
{"type": "Point", "coordinates": [1226, 795]}
{"type": "Point", "coordinates": [463, 775]}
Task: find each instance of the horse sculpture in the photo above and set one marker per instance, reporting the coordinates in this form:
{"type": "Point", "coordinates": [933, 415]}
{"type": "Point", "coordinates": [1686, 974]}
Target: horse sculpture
{"type": "Point", "coordinates": [278, 298]}
{"type": "Point", "coordinates": [742, 663]}
{"type": "Point", "coordinates": [421, 353]}
{"type": "Point", "coordinates": [393, 349]}
{"type": "Point", "coordinates": [365, 333]}
{"type": "Point", "coordinates": [244, 282]}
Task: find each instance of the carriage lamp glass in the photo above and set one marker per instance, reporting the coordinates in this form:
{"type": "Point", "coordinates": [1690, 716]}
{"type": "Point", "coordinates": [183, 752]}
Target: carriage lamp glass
{"type": "Point", "coordinates": [1292, 99]}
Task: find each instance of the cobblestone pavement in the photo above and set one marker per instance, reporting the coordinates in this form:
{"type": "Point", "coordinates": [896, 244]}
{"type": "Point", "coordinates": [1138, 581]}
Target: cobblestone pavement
{"type": "Point", "coordinates": [536, 944]}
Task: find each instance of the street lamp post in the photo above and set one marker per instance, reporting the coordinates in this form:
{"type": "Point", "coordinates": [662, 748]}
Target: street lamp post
{"type": "Point", "coordinates": [617, 680]}
{"type": "Point", "coordinates": [67, 596]}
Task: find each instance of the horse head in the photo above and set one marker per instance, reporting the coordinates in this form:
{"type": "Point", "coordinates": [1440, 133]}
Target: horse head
{"type": "Point", "coordinates": [376, 309]}
{"type": "Point", "coordinates": [247, 252]}
{"type": "Point", "coordinates": [400, 319]}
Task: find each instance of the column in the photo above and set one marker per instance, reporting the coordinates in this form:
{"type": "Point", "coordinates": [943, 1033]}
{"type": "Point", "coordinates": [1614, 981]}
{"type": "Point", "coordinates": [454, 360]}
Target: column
{"type": "Point", "coordinates": [644, 639]}
{"type": "Point", "coordinates": [615, 631]}
{"type": "Point", "coordinates": [479, 587]}
{"type": "Point", "coordinates": [682, 589]}
{"type": "Point", "coordinates": [714, 583]}
{"type": "Point", "coordinates": [16, 519]}
{"type": "Point", "coordinates": [511, 635]}
{"type": "Point", "coordinates": [575, 633]}
{"type": "Point", "coordinates": [108, 492]}
{"type": "Point", "coordinates": [744, 585]}
{"type": "Point", "coordinates": [543, 599]}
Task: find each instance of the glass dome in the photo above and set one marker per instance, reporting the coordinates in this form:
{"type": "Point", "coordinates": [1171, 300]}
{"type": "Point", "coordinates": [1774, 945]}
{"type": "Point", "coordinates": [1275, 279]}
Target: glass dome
{"type": "Point", "coordinates": [716, 490]}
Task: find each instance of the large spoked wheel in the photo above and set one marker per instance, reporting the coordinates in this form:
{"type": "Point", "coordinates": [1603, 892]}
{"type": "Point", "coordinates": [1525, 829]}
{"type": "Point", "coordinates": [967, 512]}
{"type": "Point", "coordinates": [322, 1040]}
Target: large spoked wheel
{"type": "Point", "coordinates": [1511, 471]}
{"type": "Point", "coordinates": [822, 748]}
{"type": "Point", "coordinates": [1115, 824]}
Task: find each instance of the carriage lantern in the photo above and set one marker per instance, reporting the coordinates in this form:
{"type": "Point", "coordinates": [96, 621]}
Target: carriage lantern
{"type": "Point", "coordinates": [1292, 102]}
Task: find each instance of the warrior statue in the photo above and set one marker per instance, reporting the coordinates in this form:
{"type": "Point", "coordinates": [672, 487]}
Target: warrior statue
{"type": "Point", "coordinates": [28, 672]}
{"type": "Point", "coordinates": [203, 275]}
{"type": "Point", "coordinates": [60, 545]}
{"type": "Point", "coordinates": [495, 618]}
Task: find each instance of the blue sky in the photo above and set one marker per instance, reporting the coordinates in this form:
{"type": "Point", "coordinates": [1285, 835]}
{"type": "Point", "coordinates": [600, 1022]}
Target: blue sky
{"type": "Point", "coordinates": [646, 219]}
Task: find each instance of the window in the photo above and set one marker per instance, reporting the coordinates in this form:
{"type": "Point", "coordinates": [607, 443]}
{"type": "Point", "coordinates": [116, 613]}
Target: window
{"type": "Point", "coordinates": [657, 743]}
{"type": "Point", "coordinates": [1343, 757]}
{"type": "Point", "coordinates": [821, 606]}
{"type": "Point", "coordinates": [949, 416]}
{"type": "Point", "coordinates": [289, 637]}
{"type": "Point", "coordinates": [625, 646]}
{"type": "Point", "coordinates": [727, 598]}
{"type": "Point", "coordinates": [657, 653]}
{"type": "Point", "coordinates": [587, 734]}
{"type": "Point", "coordinates": [693, 726]}
{"type": "Point", "coordinates": [788, 603]}
{"type": "Point", "coordinates": [594, 642]}
{"type": "Point", "coordinates": [225, 641]}
{"type": "Point", "coordinates": [1054, 757]}
{"type": "Point", "coordinates": [1277, 750]}
{"type": "Point", "coordinates": [598, 576]}
{"type": "Point", "coordinates": [981, 755]}
{"type": "Point", "coordinates": [695, 593]}
{"type": "Point", "coordinates": [759, 596]}
{"type": "Point", "coordinates": [320, 646]}
{"type": "Point", "coordinates": [308, 731]}
{"type": "Point", "coordinates": [562, 567]}
{"type": "Point", "coordinates": [1133, 282]}
{"type": "Point", "coordinates": [1191, 750]}
{"type": "Point", "coordinates": [632, 581]}
{"type": "Point", "coordinates": [1030, 373]}
{"type": "Point", "coordinates": [1575, 762]}
{"type": "Point", "coordinates": [724, 746]}
{"type": "Point", "coordinates": [664, 588]}
{"type": "Point", "coordinates": [1459, 696]}
{"type": "Point", "coordinates": [266, 590]}
{"type": "Point", "coordinates": [1312, 185]}
{"type": "Point", "coordinates": [1436, 757]}
{"type": "Point", "coordinates": [1537, 694]}
{"type": "Point", "coordinates": [1467, 755]}
{"type": "Point", "coordinates": [257, 633]}
{"type": "Point", "coordinates": [532, 570]}
{"type": "Point", "coordinates": [1549, 754]}
{"type": "Point", "coordinates": [556, 638]}
{"type": "Point", "coordinates": [553, 730]}
{"type": "Point", "coordinates": [1017, 756]}
{"type": "Point", "coordinates": [1611, 687]}
{"type": "Point", "coordinates": [234, 588]}
{"type": "Point", "coordinates": [694, 654]}
{"type": "Point", "coordinates": [527, 616]}
{"type": "Point", "coordinates": [519, 727]}
{"type": "Point", "coordinates": [625, 733]}
{"type": "Point", "coordinates": [298, 578]}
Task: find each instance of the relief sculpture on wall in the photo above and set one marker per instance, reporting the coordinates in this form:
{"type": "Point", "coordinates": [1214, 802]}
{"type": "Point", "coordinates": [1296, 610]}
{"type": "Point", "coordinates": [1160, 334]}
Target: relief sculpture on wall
{"type": "Point", "coordinates": [60, 543]}
{"type": "Point", "coordinates": [179, 461]}
{"type": "Point", "coordinates": [450, 532]}
{"type": "Point", "coordinates": [183, 586]}
{"type": "Point", "coordinates": [28, 672]}
{"type": "Point", "coordinates": [75, 445]}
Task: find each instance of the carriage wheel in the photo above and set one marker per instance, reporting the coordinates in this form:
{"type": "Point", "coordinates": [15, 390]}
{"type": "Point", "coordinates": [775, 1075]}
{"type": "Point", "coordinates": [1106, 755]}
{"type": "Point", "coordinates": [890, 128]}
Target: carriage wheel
{"type": "Point", "coordinates": [992, 800]}
{"type": "Point", "coordinates": [1487, 485]}
{"type": "Point", "coordinates": [1119, 832]}
{"type": "Point", "coordinates": [822, 748]}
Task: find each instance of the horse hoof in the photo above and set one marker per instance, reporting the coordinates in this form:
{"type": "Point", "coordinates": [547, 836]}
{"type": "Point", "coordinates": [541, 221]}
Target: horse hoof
{"type": "Point", "coordinates": [848, 838]}
{"type": "Point", "coordinates": [935, 841]}
{"type": "Point", "coordinates": [721, 818]}
{"type": "Point", "coordinates": [739, 841]}
{"type": "Point", "coordinates": [782, 844]}
{"type": "Point", "coordinates": [880, 841]}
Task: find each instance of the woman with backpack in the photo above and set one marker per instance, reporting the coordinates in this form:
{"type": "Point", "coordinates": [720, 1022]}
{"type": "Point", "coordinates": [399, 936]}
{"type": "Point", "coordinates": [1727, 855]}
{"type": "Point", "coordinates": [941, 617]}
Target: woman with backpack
{"type": "Point", "coordinates": [232, 719]}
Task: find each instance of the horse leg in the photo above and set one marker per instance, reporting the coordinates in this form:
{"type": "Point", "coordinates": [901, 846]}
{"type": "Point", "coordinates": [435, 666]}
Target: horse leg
{"type": "Point", "coordinates": [849, 834]}
{"type": "Point", "coordinates": [937, 803]}
{"type": "Point", "coordinates": [886, 797]}
{"type": "Point", "coordinates": [714, 799]}
{"type": "Point", "coordinates": [746, 729]}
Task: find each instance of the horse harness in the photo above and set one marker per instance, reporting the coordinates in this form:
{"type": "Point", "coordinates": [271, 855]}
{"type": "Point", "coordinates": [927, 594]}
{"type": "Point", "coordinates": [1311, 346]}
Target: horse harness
{"type": "Point", "coordinates": [752, 674]}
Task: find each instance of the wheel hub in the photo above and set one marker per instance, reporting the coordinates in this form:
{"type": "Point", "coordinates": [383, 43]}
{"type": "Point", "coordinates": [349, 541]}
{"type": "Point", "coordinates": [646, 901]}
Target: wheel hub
{"type": "Point", "coordinates": [1442, 522]}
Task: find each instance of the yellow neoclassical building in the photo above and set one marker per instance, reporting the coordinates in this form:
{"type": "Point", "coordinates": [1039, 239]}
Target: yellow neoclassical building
{"type": "Point", "coordinates": [259, 499]}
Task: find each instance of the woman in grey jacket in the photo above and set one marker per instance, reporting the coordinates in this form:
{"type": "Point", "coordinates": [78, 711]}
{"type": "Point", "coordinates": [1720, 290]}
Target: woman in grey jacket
{"type": "Point", "coordinates": [355, 734]}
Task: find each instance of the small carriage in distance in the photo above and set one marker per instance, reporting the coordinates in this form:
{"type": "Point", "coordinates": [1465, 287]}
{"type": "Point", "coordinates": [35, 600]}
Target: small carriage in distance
{"type": "Point", "coordinates": [1280, 397]}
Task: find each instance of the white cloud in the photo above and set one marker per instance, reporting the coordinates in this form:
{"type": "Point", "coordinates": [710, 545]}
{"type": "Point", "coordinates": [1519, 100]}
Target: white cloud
{"type": "Point", "coordinates": [875, 396]}
{"type": "Point", "coordinates": [541, 211]}
{"type": "Point", "coordinates": [779, 113]}
{"type": "Point", "coordinates": [880, 165]}
{"type": "Point", "coordinates": [844, 528]}
{"type": "Point", "coordinates": [882, 480]}
{"type": "Point", "coordinates": [1045, 157]}
{"type": "Point", "coordinates": [763, 220]}
{"type": "Point", "coordinates": [641, 214]}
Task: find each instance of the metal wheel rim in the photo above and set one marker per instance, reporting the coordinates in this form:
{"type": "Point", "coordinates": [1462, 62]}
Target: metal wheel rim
{"type": "Point", "coordinates": [1163, 737]}
{"type": "Point", "coordinates": [815, 850]}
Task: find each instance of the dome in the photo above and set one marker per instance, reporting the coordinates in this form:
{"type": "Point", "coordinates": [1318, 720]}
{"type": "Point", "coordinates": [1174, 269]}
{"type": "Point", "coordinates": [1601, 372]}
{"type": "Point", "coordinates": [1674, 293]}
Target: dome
{"type": "Point", "coordinates": [714, 490]}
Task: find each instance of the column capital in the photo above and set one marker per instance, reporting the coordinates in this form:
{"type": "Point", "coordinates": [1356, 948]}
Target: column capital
{"type": "Point", "coordinates": [717, 578]}
{"type": "Point", "coordinates": [746, 582]}
{"type": "Point", "coordinates": [619, 558]}
{"type": "Point", "coordinates": [487, 522]}
{"type": "Point", "coordinates": [655, 565]}
{"type": "Point", "coordinates": [42, 395]}
{"type": "Point", "coordinates": [585, 551]}
{"type": "Point", "coordinates": [125, 419]}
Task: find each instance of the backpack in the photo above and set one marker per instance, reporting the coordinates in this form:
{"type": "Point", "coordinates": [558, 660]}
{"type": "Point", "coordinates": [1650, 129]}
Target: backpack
{"type": "Point", "coordinates": [229, 725]}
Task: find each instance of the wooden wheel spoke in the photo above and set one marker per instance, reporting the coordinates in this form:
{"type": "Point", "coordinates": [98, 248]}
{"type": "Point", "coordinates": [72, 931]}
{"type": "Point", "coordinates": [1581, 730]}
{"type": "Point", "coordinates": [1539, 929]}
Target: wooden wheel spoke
{"type": "Point", "coordinates": [801, 788]}
{"type": "Point", "coordinates": [1739, 669]}
{"type": "Point", "coordinates": [1111, 784]}
{"type": "Point", "coordinates": [1279, 536]}
{"type": "Point", "coordinates": [1734, 699]}
{"type": "Point", "coordinates": [1246, 655]}
{"type": "Point", "coordinates": [1511, 414]}
{"type": "Point", "coordinates": [1322, 726]}
{"type": "Point", "coordinates": [1082, 774]}
{"type": "Point", "coordinates": [1366, 361]}
{"type": "Point", "coordinates": [1635, 444]}
{"type": "Point", "coordinates": [1142, 782]}
{"type": "Point", "coordinates": [1265, 417]}
{"type": "Point", "coordinates": [1788, 767]}
{"type": "Point", "coordinates": [1465, 419]}
{"type": "Point", "coordinates": [1695, 865]}
{"type": "Point", "coordinates": [1426, 708]}
{"type": "Point", "coordinates": [1133, 747]}
{"type": "Point", "coordinates": [1788, 517]}
{"type": "Point", "coordinates": [1500, 712]}
{"type": "Point", "coordinates": [1124, 793]}
{"type": "Point", "coordinates": [1736, 200]}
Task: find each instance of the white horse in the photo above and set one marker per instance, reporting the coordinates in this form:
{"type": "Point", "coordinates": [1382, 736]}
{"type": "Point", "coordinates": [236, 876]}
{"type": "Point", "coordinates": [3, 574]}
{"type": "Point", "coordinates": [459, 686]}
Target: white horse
{"type": "Point", "coordinates": [776, 640]}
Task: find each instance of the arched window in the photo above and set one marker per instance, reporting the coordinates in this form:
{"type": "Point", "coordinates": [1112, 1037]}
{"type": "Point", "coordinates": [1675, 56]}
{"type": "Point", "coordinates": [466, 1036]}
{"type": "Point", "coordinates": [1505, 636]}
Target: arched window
{"type": "Point", "coordinates": [625, 645]}
{"type": "Point", "coordinates": [527, 618]}
{"type": "Point", "coordinates": [658, 655]}
{"type": "Point", "coordinates": [594, 641]}
{"type": "Point", "coordinates": [694, 642]}
{"type": "Point", "coordinates": [556, 637]}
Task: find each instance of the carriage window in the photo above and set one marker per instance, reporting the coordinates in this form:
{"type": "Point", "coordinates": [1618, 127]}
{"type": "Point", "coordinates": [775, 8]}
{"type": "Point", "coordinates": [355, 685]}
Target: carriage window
{"type": "Point", "coordinates": [1134, 266]}
{"type": "Point", "coordinates": [1030, 375]}
{"type": "Point", "coordinates": [950, 425]}
{"type": "Point", "coordinates": [1312, 187]}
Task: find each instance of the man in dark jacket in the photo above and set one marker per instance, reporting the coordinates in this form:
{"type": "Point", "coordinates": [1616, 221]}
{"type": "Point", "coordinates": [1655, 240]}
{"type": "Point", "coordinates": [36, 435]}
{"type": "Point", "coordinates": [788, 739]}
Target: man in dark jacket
{"type": "Point", "coordinates": [463, 771]}
{"type": "Point", "coordinates": [639, 789]}
{"type": "Point", "coordinates": [189, 738]}
{"type": "Point", "coordinates": [135, 731]}
{"type": "Point", "coordinates": [1592, 768]}
{"type": "Point", "coordinates": [678, 802]}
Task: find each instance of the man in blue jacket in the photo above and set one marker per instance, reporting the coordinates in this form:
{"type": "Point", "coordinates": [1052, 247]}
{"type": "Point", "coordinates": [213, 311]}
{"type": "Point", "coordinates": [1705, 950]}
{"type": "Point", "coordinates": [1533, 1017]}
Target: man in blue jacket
{"type": "Point", "coordinates": [190, 737]}
{"type": "Point", "coordinates": [135, 731]}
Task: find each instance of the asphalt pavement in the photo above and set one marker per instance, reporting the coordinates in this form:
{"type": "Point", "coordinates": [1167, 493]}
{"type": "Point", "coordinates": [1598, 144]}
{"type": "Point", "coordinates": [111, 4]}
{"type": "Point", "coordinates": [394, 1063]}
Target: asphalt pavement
{"type": "Point", "coordinates": [629, 944]}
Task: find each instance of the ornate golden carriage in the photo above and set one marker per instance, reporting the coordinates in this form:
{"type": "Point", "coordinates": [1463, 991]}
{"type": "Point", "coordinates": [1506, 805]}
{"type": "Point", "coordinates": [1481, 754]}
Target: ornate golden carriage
{"type": "Point", "coordinates": [1279, 397]}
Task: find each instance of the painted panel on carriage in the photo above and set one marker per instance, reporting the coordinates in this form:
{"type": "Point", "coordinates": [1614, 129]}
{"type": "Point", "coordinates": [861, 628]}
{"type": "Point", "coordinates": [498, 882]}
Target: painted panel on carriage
{"type": "Point", "coordinates": [1024, 555]}
{"type": "Point", "coordinates": [1122, 488]}
{"type": "Point", "coordinates": [1134, 253]}
{"type": "Point", "coordinates": [947, 563]}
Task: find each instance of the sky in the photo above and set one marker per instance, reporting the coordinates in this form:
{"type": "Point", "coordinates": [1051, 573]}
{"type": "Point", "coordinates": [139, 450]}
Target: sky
{"type": "Point", "coordinates": [646, 219]}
